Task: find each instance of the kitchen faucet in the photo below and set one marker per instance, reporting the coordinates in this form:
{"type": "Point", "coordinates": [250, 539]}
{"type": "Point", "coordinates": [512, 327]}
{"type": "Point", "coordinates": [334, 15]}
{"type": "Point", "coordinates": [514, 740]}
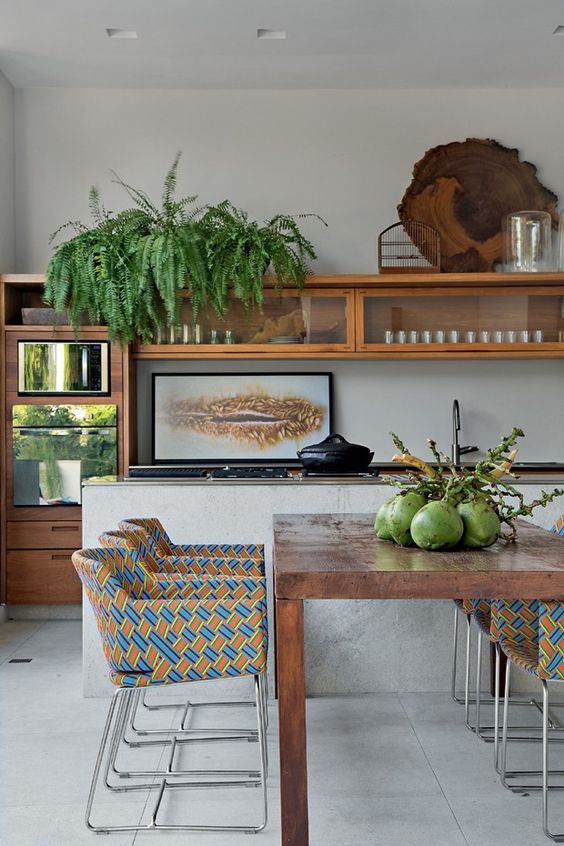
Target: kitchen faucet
{"type": "Point", "coordinates": [456, 449]}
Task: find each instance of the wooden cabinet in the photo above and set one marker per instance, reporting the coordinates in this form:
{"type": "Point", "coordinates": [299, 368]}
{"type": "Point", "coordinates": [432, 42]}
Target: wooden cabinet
{"type": "Point", "coordinates": [41, 576]}
{"type": "Point", "coordinates": [441, 315]}
{"type": "Point", "coordinates": [44, 534]}
{"type": "Point", "coordinates": [314, 323]}
{"type": "Point", "coordinates": [438, 321]}
{"type": "Point", "coordinates": [37, 541]}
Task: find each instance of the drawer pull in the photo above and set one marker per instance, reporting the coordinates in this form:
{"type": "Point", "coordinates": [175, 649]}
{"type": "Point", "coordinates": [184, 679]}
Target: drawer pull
{"type": "Point", "coordinates": [55, 557]}
{"type": "Point", "coordinates": [64, 528]}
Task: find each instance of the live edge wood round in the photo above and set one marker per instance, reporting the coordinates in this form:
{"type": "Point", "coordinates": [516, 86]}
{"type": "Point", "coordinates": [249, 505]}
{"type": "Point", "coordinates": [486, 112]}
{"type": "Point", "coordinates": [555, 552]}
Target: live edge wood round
{"type": "Point", "coordinates": [325, 556]}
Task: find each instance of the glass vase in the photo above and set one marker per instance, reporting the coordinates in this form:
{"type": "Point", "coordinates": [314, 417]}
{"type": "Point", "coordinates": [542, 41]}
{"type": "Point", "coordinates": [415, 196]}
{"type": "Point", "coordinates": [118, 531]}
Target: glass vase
{"type": "Point", "coordinates": [527, 242]}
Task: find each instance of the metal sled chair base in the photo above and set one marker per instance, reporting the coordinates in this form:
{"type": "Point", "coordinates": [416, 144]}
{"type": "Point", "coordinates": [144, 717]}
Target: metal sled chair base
{"type": "Point", "coordinates": [114, 729]}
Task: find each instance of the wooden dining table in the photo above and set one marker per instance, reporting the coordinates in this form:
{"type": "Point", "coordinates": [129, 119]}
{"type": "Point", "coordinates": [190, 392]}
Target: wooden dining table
{"type": "Point", "coordinates": [330, 556]}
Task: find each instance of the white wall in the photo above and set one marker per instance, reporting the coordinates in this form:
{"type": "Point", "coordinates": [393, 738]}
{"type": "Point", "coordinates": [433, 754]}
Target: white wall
{"type": "Point", "coordinates": [7, 182]}
{"type": "Point", "coordinates": [347, 155]}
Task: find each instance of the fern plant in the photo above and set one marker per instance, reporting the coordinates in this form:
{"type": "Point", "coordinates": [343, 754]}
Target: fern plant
{"type": "Point", "coordinates": [240, 251]}
{"type": "Point", "coordinates": [128, 270]}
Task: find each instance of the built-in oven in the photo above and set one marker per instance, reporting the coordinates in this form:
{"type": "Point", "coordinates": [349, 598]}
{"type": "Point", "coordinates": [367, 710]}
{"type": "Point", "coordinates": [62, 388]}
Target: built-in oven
{"type": "Point", "coordinates": [63, 367]}
{"type": "Point", "coordinates": [55, 448]}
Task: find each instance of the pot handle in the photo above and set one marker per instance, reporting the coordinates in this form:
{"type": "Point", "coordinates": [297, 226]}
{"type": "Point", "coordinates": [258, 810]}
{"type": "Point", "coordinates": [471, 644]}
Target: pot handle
{"type": "Point", "coordinates": [334, 437]}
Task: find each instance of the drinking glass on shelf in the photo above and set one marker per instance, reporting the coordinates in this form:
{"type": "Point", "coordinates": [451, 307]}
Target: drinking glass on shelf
{"type": "Point", "coordinates": [159, 336]}
{"type": "Point", "coordinates": [538, 336]}
{"type": "Point", "coordinates": [427, 336]}
{"type": "Point", "coordinates": [511, 336]}
{"type": "Point", "coordinates": [524, 336]}
{"type": "Point", "coordinates": [214, 336]}
{"type": "Point", "coordinates": [388, 336]}
{"type": "Point", "coordinates": [413, 336]}
{"type": "Point", "coordinates": [172, 334]}
{"type": "Point", "coordinates": [470, 336]}
{"type": "Point", "coordinates": [453, 336]}
{"type": "Point", "coordinates": [401, 336]}
{"type": "Point", "coordinates": [196, 333]}
{"type": "Point", "coordinates": [186, 334]}
{"type": "Point", "coordinates": [439, 336]}
{"type": "Point", "coordinates": [228, 337]}
{"type": "Point", "coordinates": [498, 336]}
{"type": "Point", "coordinates": [485, 336]}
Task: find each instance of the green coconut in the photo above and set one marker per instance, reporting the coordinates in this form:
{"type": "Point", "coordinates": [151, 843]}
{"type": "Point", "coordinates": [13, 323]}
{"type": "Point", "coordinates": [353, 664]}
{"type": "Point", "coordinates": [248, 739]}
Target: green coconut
{"type": "Point", "coordinates": [437, 525]}
{"type": "Point", "coordinates": [400, 514]}
{"type": "Point", "coordinates": [381, 522]}
{"type": "Point", "coordinates": [482, 526]}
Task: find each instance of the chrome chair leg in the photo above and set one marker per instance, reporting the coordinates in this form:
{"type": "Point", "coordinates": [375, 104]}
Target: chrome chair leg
{"type": "Point", "coordinates": [116, 722]}
{"type": "Point", "coordinates": [181, 729]}
{"type": "Point", "coordinates": [502, 770]}
{"type": "Point", "coordinates": [557, 838]}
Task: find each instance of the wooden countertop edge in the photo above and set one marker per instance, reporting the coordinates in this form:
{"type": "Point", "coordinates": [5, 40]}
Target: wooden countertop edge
{"type": "Point", "coordinates": [522, 584]}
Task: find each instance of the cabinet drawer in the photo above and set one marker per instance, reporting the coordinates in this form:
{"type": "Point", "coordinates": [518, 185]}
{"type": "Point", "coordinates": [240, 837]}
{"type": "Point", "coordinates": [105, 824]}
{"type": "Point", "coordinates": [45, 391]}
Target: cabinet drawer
{"type": "Point", "coordinates": [65, 534]}
{"type": "Point", "coordinates": [42, 577]}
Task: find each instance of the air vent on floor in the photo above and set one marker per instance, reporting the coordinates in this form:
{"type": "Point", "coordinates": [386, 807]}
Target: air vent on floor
{"type": "Point", "coordinates": [20, 660]}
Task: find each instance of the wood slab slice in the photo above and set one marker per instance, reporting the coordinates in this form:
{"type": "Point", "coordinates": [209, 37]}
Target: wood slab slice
{"type": "Point", "coordinates": [463, 190]}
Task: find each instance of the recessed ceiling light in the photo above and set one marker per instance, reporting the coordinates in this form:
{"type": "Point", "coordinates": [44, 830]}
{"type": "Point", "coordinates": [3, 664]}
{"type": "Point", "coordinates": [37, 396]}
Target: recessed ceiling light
{"type": "Point", "coordinates": [273, 34]}
{"type": "Point", "coordinates": [559, 30]}
{"type": "Point", "coordinates": [121, 33]}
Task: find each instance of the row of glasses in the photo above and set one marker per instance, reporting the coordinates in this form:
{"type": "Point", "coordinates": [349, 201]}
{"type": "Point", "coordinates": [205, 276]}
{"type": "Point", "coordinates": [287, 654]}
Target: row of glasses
{"type": "Point", "coordinates": [191, 333]}
{"type": "Point", "coordinates": [469, 336]}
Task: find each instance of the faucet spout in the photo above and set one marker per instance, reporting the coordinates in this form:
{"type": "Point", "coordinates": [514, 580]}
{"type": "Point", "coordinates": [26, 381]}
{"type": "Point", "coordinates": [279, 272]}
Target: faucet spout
{"type": "Point", "coordinates": [456, 449]}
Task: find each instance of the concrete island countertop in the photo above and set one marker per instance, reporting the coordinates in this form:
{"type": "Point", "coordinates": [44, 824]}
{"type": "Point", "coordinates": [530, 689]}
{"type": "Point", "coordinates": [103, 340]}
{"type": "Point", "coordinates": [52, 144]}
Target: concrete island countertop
{"type": "Point", "coordinates": [530, 478]}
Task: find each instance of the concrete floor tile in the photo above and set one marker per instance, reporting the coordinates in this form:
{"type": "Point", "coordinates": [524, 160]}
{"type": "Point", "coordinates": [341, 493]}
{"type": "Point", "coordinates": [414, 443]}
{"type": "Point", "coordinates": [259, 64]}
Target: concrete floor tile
{"type": "Point", "coordinates": [505, 820]}
{"type": "Point", "coordinates": [58, 825]}
{"type": "Point", "coordinates": [407, 821]}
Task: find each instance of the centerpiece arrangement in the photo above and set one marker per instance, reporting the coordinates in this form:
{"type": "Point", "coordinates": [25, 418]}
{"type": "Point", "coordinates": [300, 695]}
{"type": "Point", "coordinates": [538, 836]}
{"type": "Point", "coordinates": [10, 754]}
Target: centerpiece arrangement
{"type": "Point", "coordinates": [443, 506]}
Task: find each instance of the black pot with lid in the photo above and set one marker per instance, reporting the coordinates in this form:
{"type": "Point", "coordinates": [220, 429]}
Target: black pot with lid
{"type": "Point", "coordinates": [335, 455]}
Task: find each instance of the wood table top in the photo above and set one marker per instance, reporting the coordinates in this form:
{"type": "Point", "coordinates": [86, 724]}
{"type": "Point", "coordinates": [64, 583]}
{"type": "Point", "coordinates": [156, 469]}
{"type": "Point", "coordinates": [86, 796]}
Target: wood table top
{"type": "Point", "coordinates": [338, 556]}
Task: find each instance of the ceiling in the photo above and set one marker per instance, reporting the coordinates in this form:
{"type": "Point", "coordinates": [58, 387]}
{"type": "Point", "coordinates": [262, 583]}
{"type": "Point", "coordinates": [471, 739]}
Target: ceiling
{"type": "Point", "coordinates": [329, 44]}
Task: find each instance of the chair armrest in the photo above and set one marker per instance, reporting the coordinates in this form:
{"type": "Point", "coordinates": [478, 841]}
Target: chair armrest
{"type": "Point", "coordinates": [191, 587]}
{"type": "Point", "coordinates": [212, 566]}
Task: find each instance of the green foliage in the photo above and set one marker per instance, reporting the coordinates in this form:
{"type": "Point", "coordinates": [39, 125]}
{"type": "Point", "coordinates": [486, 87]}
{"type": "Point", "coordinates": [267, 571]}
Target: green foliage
{"type": "Point", "coordinates": [128, 269]}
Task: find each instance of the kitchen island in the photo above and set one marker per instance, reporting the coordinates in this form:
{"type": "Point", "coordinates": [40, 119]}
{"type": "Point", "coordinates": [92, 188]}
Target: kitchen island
{"type": "Point", "coordinates": [354, 647]}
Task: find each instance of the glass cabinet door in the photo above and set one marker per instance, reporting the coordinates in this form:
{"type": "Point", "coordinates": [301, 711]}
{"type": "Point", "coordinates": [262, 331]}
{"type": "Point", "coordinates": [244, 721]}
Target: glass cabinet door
{"type": "Point", "coordinates": [320, 320]}
{"type": "Point", "coordinates": [461, 319]}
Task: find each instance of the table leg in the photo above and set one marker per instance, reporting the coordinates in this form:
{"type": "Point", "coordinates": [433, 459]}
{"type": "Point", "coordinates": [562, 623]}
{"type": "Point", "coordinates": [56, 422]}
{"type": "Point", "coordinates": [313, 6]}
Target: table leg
{"type": "Point", "coordinates": [292, 721]}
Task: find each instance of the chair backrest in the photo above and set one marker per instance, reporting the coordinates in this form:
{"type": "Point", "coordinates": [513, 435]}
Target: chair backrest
{"type": "Point", "coordinates": [153, 529]}
{"type": "Point", "coordinates": [134, 561]}
{"type": "Point", "coordinates": [161, 545]}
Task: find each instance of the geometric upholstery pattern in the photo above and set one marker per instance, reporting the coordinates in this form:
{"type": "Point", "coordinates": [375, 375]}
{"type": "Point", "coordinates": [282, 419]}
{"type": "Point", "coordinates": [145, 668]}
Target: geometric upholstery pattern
{"type": "Point", "coordinates": [537, 649]}
{"type": "Point", "coordinates": [166, 641]}
{"type": "Point", "coordinates": [551, 640]}
{"type": "Point", "coordinates": [139, 545]}
{"type": "Point", "coordinates": [516, 620]}
{"type": "Point", "coordinates": [252, 555]}
{"type": "Point", "coordinates": [143, 583]}
{"type": "Point", "coordinates": [558, 528]}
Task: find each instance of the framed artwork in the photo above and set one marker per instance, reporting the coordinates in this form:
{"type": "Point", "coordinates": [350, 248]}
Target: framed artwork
{"type": "Point", "coordinates": [230, 418]}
